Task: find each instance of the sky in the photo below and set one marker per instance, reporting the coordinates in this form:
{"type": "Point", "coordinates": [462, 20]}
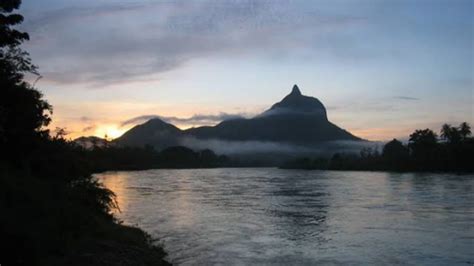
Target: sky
{"type": "Point", "coordinates": [381, 68]}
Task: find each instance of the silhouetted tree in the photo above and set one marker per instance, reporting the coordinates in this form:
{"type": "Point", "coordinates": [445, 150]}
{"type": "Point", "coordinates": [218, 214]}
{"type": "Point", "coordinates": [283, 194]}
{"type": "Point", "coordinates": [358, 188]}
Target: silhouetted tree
{"type": "Point", "coordinates": [395, 154]}
{"type": "Point", "coordinates": [23, 111]}
{"type": "Point", "coordinates": [445, 131]}
{"type": "Point", "coordinates": [424, 153]}
{"type": "Point", "coordinates": [9, 36]}
{"type": "Point", "coordinates": [422, 138]}
{"type": "Point", "coordinates": [450, 134]}
{"type": "Point", "coordinates": [51, 208]}
{"type": "Point", "coordinates": [464, 130]}
{"type": "Point", "coordinates": [423, 144]}
{"type": "Point", "coordinates": [208, 158]}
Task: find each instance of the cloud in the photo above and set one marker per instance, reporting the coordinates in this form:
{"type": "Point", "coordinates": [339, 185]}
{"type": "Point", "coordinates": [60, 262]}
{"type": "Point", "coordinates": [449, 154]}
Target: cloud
{"type": "Point", "coordinates": [374, 105]}
{"type": "Point", "coordinates": [89, 128]}
{"type": "Point", "coordinates": [106, 44]}
{"type": "Point", "coordinates": [407, 98]}
{"type": "Point", "coordinates": [138, 120]}
{"type": "Point", "coordinates": [85, 119]}
{"type": "Point", "coordinates": [37, 22]}
{"type": "Point", "coordinates": [197, 119]}
{"type": "Point", "coordinates": [200, 119]}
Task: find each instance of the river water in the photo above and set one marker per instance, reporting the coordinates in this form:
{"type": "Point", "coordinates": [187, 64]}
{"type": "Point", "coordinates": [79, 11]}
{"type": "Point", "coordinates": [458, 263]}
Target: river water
{"type": "Point", "coordinates": [268, 216]}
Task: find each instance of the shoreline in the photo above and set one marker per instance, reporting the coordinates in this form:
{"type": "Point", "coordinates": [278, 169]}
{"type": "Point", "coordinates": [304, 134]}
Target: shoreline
{"type": "Point", "coordinates": [126, 245]}
{"type": "Point", "coordinates": [47, 222]}
{"type": "Point", "coordinates": [288, 168]}
{"type": "Point", "coordinates": [383, 170]}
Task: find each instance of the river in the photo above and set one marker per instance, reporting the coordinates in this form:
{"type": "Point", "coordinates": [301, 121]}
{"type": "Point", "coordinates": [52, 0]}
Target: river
{"type": "Point", "coordinates": [269, 216]}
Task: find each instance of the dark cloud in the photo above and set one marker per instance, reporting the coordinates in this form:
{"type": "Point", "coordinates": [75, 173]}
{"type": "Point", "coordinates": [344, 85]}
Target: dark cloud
{"type": "Point", "coordinates": [35, 22]}
{"type": "Point", "coordinates": [85, 119]}
{"type": "Point", "coordinates": [106, 44]}
{"type": "Point", "coordinates": [89, 128]}
{"type": "Point", "coordinates": [407, 98]}
{"type": "Point", "coordinates": [138, 120]}
{"type": "Point", "coordinates": [197, 119]}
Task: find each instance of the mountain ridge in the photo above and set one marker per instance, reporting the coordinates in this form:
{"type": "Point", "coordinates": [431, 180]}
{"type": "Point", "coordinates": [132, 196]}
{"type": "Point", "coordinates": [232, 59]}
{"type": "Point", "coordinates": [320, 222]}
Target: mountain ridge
{"type": "Point", "coordinates": [296, 119]}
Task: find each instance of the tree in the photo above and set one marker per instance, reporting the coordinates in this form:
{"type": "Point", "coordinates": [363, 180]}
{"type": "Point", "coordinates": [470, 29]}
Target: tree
{"type": "Point", "coordinates": [207, 158]}
{"type": "Point", "coordinates": [14, 62]}
{"type": "Point", "coordinates": [423, 137]}
{"type": "Point", "coordinates": [394, 150]}
{"type": "Point", "coordinates": [45, 182]}
{"type": "Point", "coordinates": [24, 113]}
{"type": "Point", "coordinates": [464, 130]}
{"type": "Point", "coordinates": [450, 134]}
{"type": "Point", "coordinates": [446, 131]}
{"type": "Point", "coordinates": [422, 145]}
{"type": "Point", "coordinates": [395, 155]}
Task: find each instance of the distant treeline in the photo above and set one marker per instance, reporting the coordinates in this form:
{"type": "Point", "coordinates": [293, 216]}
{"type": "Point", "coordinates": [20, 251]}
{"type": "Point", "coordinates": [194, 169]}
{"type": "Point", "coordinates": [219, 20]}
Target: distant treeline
{"type": "Point", "coordinates": [103, 158]}
{"type": "Point", "coordinates": [425, 151]}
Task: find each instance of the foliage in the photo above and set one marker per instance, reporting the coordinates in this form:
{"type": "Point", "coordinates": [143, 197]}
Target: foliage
{"type": "Point", "coordinates": [423, 153]}
{"type": "Point", "coordinates": [23, 111]}
{"type": "Point", "coordinates": [53, 211]}
{"type": "Point", "coordinates": [113, 157]}
{"type": "Point", "coordinates": [450, 134]}
{"type": "Point", "coordinates": [395, 155]}
{"type": "Point", "coordinates": [464, 130]}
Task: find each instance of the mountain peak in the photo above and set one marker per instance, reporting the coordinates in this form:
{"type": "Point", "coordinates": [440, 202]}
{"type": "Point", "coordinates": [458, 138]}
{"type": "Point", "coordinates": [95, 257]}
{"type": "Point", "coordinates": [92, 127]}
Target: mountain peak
{"type": "Point", "coordinates": [295, 103]}
{"type": "Point", "coordinates": [295, 90]}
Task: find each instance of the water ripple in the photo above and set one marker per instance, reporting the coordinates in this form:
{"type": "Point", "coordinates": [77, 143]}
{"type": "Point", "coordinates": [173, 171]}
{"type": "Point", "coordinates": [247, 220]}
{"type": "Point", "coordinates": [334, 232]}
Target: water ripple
{"type": "Point", "coordinates": [290, 217]}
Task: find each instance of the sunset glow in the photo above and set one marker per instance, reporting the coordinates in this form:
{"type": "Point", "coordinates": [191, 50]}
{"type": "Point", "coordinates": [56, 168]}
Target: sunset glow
{"type": "Point", "coordinates": [111, 131]}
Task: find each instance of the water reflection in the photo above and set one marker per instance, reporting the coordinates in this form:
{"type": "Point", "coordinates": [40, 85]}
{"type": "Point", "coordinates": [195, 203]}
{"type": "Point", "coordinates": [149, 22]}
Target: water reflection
{"type": "Point", "coordinates": [118, 183]}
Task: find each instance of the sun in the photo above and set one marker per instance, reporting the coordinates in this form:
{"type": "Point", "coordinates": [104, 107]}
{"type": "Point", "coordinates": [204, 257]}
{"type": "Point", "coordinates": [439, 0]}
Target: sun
{"type": "Point", "coordinates": [111, 131]}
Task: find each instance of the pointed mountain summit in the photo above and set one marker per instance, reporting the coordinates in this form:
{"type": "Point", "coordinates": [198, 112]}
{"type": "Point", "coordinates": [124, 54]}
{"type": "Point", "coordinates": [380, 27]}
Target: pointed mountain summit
{"type": "Point", "coordinates": [296, 102]}
{"type": "Point", "coordinates": [296, 119]}
{"type": "Point", "coordinates": [295, 90]}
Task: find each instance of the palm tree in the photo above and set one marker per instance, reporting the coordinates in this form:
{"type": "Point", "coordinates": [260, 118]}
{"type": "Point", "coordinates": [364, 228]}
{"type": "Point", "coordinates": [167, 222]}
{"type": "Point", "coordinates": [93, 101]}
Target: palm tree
{"type": "Point", "coordinates": [446, 132]}
{"type": "Point", "coordinates": [464, 130]}
{"type": "Point", "coordinates": [451, 134]}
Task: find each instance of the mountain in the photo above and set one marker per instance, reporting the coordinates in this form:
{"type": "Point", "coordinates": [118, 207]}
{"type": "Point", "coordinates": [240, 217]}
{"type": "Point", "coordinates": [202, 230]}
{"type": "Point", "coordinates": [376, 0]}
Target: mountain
{"type": "Point", "coordinates": [155, 132]}
{"type": "Point", "coordinates": [297, 119]}
{"type": "Point", "coordinates": [295, 102]}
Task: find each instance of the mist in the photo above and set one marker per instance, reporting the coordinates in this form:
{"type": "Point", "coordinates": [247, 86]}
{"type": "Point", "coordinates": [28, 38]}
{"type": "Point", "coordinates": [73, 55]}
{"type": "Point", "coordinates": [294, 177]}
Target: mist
{"type": "Point", "coordinates": [248, 148]}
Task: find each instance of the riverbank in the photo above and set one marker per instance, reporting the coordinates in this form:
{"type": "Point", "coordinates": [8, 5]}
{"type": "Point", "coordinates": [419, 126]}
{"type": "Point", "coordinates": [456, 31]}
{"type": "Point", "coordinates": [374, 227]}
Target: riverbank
{"type": "Point", "coordinates": [123, 245]}
{"type": "Point", "coordinates": [381, 170]}
{"type": "Point", "coordinates": [362, 166]}
{"type": "Point", "coordinates": [50, 222]}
